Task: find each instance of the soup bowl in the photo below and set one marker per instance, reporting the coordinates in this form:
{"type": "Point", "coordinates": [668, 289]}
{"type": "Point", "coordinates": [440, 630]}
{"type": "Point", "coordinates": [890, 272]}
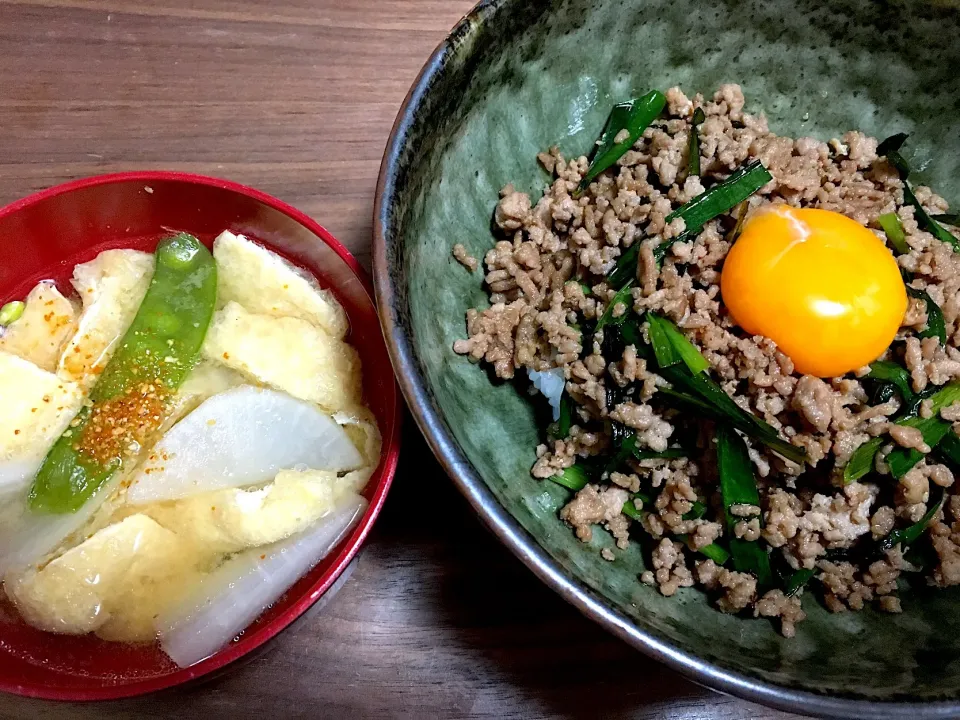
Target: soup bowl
{"type": "Point", "coordinates": [517, 77]}
{"type": "Point", "coordinates": [42, 237]}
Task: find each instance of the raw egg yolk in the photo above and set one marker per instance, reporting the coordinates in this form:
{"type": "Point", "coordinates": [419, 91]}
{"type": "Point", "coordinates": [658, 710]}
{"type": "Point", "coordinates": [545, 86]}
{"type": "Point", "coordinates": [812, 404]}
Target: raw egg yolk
{"type": "Point", "coordinates": [817, 283]}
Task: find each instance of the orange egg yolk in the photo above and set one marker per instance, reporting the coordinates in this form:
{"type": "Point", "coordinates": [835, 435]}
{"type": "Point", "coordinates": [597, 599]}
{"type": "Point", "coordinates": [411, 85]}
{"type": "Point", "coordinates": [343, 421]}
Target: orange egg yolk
{"type": "Point", "coordinates": [820, 285]}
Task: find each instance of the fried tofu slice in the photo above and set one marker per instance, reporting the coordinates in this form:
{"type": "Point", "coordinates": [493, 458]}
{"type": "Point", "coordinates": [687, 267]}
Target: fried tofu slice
{"type": "Point", "coordinates": [239, 518]}
{"type": "Point", "coordinates": [266, 284]}
{"type": "Point", "coordinates": [287, 354]}
{"type": "Point", "coordinates": [47, 323]}
{"type": "Point", "coordinates": [113, 583]}
{"type": "Point", "coordinates": [111, 288]}
{"type": "Point", "coordinates": [37, 407]}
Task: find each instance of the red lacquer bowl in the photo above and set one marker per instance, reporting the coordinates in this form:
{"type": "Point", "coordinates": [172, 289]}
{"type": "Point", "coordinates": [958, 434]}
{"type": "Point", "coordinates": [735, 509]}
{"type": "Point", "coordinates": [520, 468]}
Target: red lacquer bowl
{"type": "Point", "coordinates": [43, 237]}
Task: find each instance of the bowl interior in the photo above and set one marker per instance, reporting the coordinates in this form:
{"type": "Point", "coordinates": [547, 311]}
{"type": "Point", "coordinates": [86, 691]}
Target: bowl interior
{"type": "Point", "coordinates": [518, 77]}
{"type": "Point", "coordinates": [43, 237]}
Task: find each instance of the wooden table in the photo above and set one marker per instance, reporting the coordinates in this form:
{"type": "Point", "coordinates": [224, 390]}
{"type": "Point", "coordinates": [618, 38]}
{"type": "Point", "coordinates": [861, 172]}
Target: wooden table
{"type": "Point", "coordinates": [437, 619]}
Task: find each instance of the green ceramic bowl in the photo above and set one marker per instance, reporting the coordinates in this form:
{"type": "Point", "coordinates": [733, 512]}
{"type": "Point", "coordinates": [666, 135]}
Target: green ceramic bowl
{"type": "Point", "coordinates": [517, 76]}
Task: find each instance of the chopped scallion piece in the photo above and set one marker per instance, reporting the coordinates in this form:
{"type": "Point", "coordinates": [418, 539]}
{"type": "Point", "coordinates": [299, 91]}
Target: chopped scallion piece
{"type": "Point", "coordinates": [892, 373]}
{"type": "Point", "coordinates": [696, 512]}
{"type": "Point", "coordinates": [933, 429]}
{"type": "Point", "coordinates": [951, 219]}
{"type": "Point", "coordinates": [671, 346]}
{"type": "Point", "coordinates": [936, 326]}
{"type": "Point", "coordinates": [660, 251]}
{"type": "Point", "coordinates": [890, 222]}
{"type": "Point", "coordinates": [949, 450]}
{"type": "Point", "coordinates": [668, 454]}
{"type": "Point", "coordinates": [797, 581]}
{"type": "Point", "coordinates": [633, 117]}
{"type": "Point", "coordinates": [905, 536]}
{"type": "Point", "coordinates": [738, 486]}
{"type": "Point", "coordinates": [630, 510]}
{"type": "Point", "coordinates": [623, 296]}
{"type": "Point", "coordinates": [722, 407]}
{"type": "Point", "coordinates": [689, 401]}
{"type": "Point", "coordinates": [566, 416]}
{"type": "Point", "coordinates": [891, 149]}
{"type": "Point", "coordinates": [741, 220]}
{"type": "Point", "coordinates": [737, 483]}
{"type": "Point", "coordinates": [750, 557]}
{"type": "Point", "coordinates": [11, 312]}
{"type": "Point", "coordinates": [625, 444]}
{"type": "Point", "coordinates": [573, 478]}
{"type": "Point", "coordinates": [715, 552]}
{"type": "Point", "coordinates": [693, 159]}
{"type": "Point", "coordinates": [723, 196]}
{"type": "Point", "coordinates": [626, 268]}
{"type": "Point", "coordinates": [861, 462]}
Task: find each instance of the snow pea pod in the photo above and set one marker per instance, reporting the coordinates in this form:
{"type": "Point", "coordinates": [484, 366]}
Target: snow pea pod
{"type": "Point", "coordinates": [130, 401]}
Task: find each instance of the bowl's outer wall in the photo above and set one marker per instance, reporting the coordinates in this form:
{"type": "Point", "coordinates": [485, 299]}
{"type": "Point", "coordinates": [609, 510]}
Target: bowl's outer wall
{"type": "Point", "coordinates": [43, 239]}
{"type": "Point", "coordinates": [517, 77]}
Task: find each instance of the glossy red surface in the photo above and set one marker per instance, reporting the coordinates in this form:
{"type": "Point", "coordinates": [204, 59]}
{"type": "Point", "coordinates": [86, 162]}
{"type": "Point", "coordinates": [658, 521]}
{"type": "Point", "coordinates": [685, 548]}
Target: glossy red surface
{"type": "Point", "coordinates": [43, 237]}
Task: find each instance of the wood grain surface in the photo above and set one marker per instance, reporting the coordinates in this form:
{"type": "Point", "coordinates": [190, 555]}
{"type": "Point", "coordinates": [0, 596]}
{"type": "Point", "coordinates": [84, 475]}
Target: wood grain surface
{"type": "Point", "coordinates": [297, 97]}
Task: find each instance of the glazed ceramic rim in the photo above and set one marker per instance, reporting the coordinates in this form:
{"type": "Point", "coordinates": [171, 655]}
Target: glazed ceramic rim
{"type": "Point", "coordinates": [383, 478]}
{"type": "Point", "coordinates": [497, 518]}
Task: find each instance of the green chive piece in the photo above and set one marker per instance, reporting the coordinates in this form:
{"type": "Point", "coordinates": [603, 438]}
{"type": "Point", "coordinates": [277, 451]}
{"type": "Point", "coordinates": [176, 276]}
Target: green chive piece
{"type": "Point", "coordinates": [723, 196]}
{"type": "Point", "coordinates": [739, 486]}
{"type": "Point", "coordinates": [693, 160]}
{"type": "Point", "coordinates": [688, 401]}
{"type": "Point", "coordinates": [741, 220]}
{"type": "Point", "coordinates": [624, 449]}
{"type": "Point", "coordinates": [750, 557]}
{"type": "Point", "coordinates": [906, 536]}
{"type": "Point", "coordinates": [901, 460]}
{"type": "Point", "coordinates": [696, 512]}
{"type": "Point", "coordinates": [890, 148]}
{"type": "Point", "coordinates": [671, 346]}
{"type": "Point", "coordinates": [797, 581]}
{"type": "Point", "coordinates": [623, 296]}
{"type": "Point", "coordinates": [951, 219]}
{"type": "Point", "coordinates": [626, 268]}
{"type": "Point", "coordinates": [893, 373]}
{"type": "Point", "coordinates": [949, 449]}
{"type": "Point", "coordinates": [715, 552]}
{"type": "Point", "coordinates": [660, 251]}
{"type": "Point", "coordinates": [936, 326]}
{"type": "Point", "coordinates": [722, 407]}
{"type": "Point", "coordinates": [890, 222]}
{"type": "Point", "coordinates": [668, 454]}
{"type": "Point", "coordinates": [573, 478]}
{"type": "Point", "coordinates": [861, 462]}
{"type": "Point", "coordinates": [737, 483]}
{"type": "Point", "coordinates": [565, 421]}
{"type": "Point", "coordinates": [11, 312]}
{"type": "Point", "coordinates": [633, 116]}
{"type": "Point", "coordinates": [630, 510]}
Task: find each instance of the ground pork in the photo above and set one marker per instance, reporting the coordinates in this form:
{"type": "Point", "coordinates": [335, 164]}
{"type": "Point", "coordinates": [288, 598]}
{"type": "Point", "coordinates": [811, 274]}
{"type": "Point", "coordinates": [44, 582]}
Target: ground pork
{"type": "Point", "coordinates": [465, 258]}
{"type": "Point", "coordinates": [547, 277]}
{"type": "Point", "coordinates": [593, 506]}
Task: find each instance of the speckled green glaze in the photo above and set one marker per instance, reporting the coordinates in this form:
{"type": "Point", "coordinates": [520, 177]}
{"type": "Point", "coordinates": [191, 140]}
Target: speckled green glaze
{"type": "Point", "coordinates": [522, 76]}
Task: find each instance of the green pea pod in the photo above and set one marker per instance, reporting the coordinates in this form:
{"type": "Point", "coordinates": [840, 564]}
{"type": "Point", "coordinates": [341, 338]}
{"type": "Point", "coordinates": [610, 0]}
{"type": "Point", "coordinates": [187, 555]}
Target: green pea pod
{"type": "Point", "coordinates": [153, 359]}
